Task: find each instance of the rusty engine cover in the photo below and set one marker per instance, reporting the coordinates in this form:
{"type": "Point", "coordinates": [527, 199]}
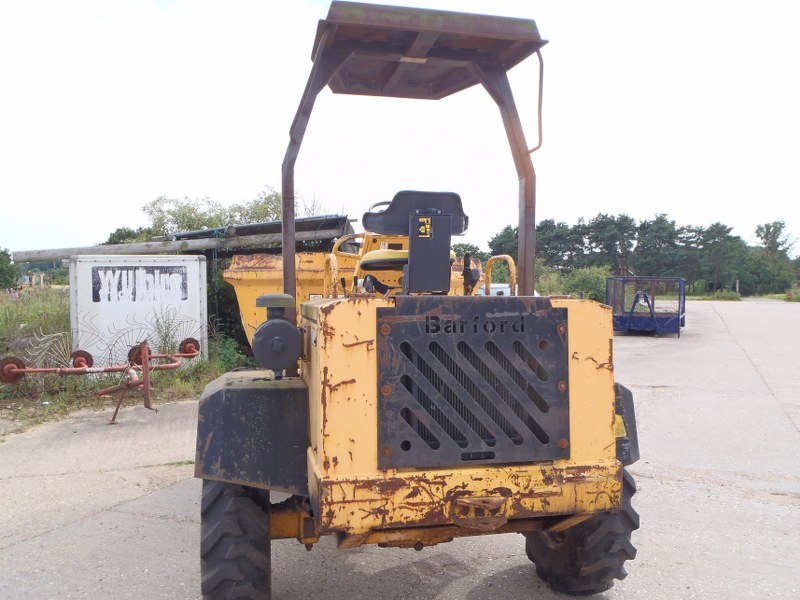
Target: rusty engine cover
{"type": "Point", "coordinates": [470, 381]}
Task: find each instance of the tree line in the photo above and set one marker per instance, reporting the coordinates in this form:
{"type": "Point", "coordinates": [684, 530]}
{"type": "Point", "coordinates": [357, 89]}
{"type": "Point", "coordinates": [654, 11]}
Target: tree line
{"type": "Point", "coordinates": [708, 258]}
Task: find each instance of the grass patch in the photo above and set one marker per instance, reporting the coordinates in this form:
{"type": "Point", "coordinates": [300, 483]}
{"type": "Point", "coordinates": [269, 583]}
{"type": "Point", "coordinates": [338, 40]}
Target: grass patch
{"type": "Point", "coordinates": [774, 296]}
{"type": "Point", "coordinates": [36, 313]}
{"type": "Point", "coordinates": [725, 295]}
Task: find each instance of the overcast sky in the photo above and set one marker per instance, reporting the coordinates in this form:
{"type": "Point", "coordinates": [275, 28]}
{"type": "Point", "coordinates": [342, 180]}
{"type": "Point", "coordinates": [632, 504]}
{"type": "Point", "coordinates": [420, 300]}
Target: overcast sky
{"type": "Point", "coordinates": [684, 107]}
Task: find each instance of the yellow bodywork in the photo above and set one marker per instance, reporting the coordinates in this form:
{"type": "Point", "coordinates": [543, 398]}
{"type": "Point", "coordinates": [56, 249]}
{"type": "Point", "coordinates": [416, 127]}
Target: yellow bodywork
{"type": "Point", "coordinates": [254, 274]}
{"type": "Point", "coordinates": [318, 275]}
{"type": "Point", "coordinates": [351, 496]}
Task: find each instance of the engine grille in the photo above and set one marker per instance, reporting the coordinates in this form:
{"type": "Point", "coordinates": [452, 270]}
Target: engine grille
{"type": "Point", "coordinates": [471, 380]}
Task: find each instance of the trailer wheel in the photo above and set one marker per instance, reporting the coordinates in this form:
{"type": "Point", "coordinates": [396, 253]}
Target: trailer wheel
{"type": "Point", "coordinates": [235, 559]}
{"type": "Point", "coordinates": [587, 558]}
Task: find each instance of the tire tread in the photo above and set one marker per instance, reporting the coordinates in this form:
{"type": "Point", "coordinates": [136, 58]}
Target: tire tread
{"type": "Point", "coordinates": [234, 543]}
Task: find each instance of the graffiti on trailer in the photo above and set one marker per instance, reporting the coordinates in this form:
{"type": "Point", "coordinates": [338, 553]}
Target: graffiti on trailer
{"type": "Point", "coordinates": [139, 284]}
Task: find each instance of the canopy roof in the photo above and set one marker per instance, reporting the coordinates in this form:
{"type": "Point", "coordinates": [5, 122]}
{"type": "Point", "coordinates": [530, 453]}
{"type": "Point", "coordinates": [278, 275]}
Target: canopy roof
{"type": "Point", "coordinates": [413, 53]}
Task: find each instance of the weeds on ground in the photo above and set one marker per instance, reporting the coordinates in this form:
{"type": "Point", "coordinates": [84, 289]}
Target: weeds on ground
{"type": "Point", "coordinates": [793, 295]}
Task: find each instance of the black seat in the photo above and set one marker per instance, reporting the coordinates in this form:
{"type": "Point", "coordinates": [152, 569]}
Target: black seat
{"type": "Point", "coordinates": [429, 219]}
{"type": "Point", "coordinates": [395, 219]}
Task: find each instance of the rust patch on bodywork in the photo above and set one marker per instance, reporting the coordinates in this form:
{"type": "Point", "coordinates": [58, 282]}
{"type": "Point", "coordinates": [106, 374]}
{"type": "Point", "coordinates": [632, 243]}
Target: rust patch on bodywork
{"type": "Point", "coordinates": [599, 365]}
{"type": "Point", "coordinates": [336, 386]}
{"type": "Point", "coordinates": [326, 310]}
{"type": "Point", "coordinates": [327, 331]}
{"type": "Point", "coordinates": [369, 343]}
{"type": "Point", "coordinates": [323, 397]}
{"type": "Point", "coordinates": [427, 499]}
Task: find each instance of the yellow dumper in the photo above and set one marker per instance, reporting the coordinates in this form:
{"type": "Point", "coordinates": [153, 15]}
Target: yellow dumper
{"type": "Point", "coordinates": [396, 407]}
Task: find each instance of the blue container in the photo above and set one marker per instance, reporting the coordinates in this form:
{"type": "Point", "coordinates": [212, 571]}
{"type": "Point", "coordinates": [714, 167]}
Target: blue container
{"type": "Point", "coordinates": [647, 304]}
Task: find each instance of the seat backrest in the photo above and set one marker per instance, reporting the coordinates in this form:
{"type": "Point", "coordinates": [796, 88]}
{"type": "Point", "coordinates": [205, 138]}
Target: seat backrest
{"type": "Point", "coordinates": [395, 219]}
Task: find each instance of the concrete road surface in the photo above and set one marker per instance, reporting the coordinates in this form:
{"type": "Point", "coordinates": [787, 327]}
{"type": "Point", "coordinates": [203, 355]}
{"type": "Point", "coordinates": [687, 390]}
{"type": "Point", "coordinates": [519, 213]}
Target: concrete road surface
{"type": "Point", "coordinates": [89, 510]}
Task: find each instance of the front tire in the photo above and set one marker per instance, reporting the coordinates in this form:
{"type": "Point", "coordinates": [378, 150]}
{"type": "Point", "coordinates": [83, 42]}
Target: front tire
{"type": "Point", "coordinates": [235, 560]}
{"type": "Point", "coordinates": [587, 558]}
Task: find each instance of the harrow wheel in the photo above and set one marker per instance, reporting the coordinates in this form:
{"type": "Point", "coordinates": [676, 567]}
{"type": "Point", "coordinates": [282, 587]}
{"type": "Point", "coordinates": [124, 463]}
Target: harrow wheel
{"type": "Point", "coordinates": [81, 359]}
{"type": "Point", "coordinates": [188, 346]}
{"type": "Point", "coordinates": [135, 355]}
{"type": "Point", "coordinates": [7, 368]}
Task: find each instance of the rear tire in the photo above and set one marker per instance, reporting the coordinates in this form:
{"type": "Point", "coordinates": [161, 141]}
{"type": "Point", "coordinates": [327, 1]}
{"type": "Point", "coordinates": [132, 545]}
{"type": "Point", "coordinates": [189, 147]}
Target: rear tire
{"type": "Point", "coordinates": [235, 559]}
{"type": "Point", "coordinates": [587, 558]}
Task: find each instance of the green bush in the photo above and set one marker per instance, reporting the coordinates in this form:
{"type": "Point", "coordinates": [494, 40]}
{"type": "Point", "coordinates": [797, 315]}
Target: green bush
{"type": "Point", "coordinates": [549, 282]}
{"type": "Point", "coordinates": [500, 273]}
{"type": "Point", "coordinates": [589, 282]}
{"type": "Point", "coordinates": [226, 354]}
{"type": "Point", "coordinates": [793, 294]}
